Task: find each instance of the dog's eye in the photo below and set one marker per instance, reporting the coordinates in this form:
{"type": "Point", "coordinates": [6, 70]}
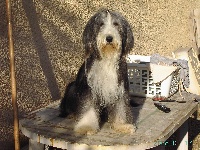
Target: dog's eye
{"type": "Point", "coordinates": [101, 24]}
{"type": "Point", "coordinates": [115, 24]}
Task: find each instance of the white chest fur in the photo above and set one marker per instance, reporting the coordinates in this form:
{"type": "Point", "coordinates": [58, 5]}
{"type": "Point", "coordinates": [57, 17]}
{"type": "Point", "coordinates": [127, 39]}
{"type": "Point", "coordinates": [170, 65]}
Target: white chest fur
{"type": "Point", "coordinates": [103, 80]}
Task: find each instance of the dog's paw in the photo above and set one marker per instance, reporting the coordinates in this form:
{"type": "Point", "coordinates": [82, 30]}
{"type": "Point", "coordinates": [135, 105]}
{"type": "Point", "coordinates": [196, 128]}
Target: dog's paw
{"type": "Point", "coordinates": [124, 128]}
{"type": "Point", "coordinates": [85, 130]}
{"type": "Point", "coordinates": [88, 123]}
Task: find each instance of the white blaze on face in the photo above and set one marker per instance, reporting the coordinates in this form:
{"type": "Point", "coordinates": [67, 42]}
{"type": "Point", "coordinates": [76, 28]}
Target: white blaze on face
{"type": "Point", "coordinates": [105, 48]}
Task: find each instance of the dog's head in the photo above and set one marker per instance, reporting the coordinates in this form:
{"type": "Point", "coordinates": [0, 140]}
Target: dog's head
{"type": "Point", "coordinates": [107, 34]}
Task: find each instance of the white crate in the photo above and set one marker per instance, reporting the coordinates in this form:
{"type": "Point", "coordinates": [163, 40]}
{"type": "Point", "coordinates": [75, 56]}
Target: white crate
{"type": "Point", "coordinates": [141, 82]}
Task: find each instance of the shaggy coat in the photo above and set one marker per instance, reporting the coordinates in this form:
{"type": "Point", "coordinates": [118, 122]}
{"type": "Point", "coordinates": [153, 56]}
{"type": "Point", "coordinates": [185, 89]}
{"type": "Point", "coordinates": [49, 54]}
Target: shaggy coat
{"type": "Point", "coordinates": [101, 86]}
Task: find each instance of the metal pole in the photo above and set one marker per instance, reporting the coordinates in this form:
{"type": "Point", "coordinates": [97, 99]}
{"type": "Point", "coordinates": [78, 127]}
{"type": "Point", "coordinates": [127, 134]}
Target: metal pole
{"type": "Point", "coordinates": [12, 76]}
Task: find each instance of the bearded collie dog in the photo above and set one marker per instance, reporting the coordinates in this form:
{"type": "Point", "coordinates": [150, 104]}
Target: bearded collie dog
{"type": "Point", "coordinates": [101, 85]}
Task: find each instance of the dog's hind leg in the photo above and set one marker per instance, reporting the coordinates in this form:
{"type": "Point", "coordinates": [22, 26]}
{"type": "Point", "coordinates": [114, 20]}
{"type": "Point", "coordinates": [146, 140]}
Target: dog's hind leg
{"type": "Point", "coordinates": [69, 102]}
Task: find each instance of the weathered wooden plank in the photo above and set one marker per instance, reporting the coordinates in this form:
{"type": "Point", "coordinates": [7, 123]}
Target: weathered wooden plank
{"type": "Point", "coordinates": [154, 126]}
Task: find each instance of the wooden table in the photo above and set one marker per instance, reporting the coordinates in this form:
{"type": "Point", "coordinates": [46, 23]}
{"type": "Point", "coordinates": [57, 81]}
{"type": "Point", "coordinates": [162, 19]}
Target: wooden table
{"type": "Point", "coordinates": [44, 127]}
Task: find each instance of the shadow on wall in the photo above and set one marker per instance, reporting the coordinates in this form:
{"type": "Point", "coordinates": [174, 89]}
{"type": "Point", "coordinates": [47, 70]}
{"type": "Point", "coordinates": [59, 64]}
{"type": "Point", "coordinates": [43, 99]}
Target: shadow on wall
{"type": "Point", "coordinates": [41, 48]}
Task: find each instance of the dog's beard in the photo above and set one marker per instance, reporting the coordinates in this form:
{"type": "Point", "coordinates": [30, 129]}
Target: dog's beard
{"type": "Point", "coordinates": [109, 50]}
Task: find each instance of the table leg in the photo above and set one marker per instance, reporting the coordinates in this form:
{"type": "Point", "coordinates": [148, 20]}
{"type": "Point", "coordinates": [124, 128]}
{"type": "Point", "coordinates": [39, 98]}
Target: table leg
{"type": "Point", "coordinates": [33, 145]}
{"type": "Point", "coordinates": [183, 136]}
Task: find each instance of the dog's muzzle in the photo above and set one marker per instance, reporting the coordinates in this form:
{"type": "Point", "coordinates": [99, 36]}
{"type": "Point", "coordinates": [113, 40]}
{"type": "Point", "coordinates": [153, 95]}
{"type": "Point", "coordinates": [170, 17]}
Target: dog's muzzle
{"type": "Point", "coordinates": [110, 47]}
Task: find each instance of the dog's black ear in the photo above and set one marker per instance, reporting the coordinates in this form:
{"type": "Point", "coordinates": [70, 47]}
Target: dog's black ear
{"type": "Point", "coordinates": [90, 32]}
{"type": "Point", "coordinates": [89, 35]}
{"type": "Point", "coordinates": [128, 39]}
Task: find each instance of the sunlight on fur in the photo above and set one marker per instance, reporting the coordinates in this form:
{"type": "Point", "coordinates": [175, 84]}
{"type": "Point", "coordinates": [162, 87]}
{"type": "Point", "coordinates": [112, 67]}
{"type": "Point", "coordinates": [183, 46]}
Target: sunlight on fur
{"type": "Point", "coordinates": [104, 82]}
{"type": "Point", "coordinates": [101, 86]}
{"type": "Point", "coordinates": [88, 124]}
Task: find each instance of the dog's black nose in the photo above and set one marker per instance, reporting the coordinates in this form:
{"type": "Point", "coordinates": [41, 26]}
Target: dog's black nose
{"type": "Point", "coordinates": [109, 38]}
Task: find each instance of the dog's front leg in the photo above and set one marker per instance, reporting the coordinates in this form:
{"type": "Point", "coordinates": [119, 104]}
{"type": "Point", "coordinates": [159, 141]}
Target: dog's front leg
{"type": "Point", "coordinates": [88, 121]}
{"type": "Point", "coordinates": [123, 118]}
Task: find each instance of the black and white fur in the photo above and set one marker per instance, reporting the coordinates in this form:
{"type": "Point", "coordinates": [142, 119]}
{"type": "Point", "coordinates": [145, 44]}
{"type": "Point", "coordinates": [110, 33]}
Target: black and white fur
{"type": "Point", "coordinates": [102, 81]}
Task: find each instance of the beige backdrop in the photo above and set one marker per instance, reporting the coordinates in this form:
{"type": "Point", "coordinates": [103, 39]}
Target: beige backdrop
{"type": "Point", "coordinates": [48, 46]}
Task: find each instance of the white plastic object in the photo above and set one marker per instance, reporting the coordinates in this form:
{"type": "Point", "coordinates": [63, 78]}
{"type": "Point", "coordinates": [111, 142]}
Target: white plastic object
{"type": "Point", "coordinates": [141, 81]}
